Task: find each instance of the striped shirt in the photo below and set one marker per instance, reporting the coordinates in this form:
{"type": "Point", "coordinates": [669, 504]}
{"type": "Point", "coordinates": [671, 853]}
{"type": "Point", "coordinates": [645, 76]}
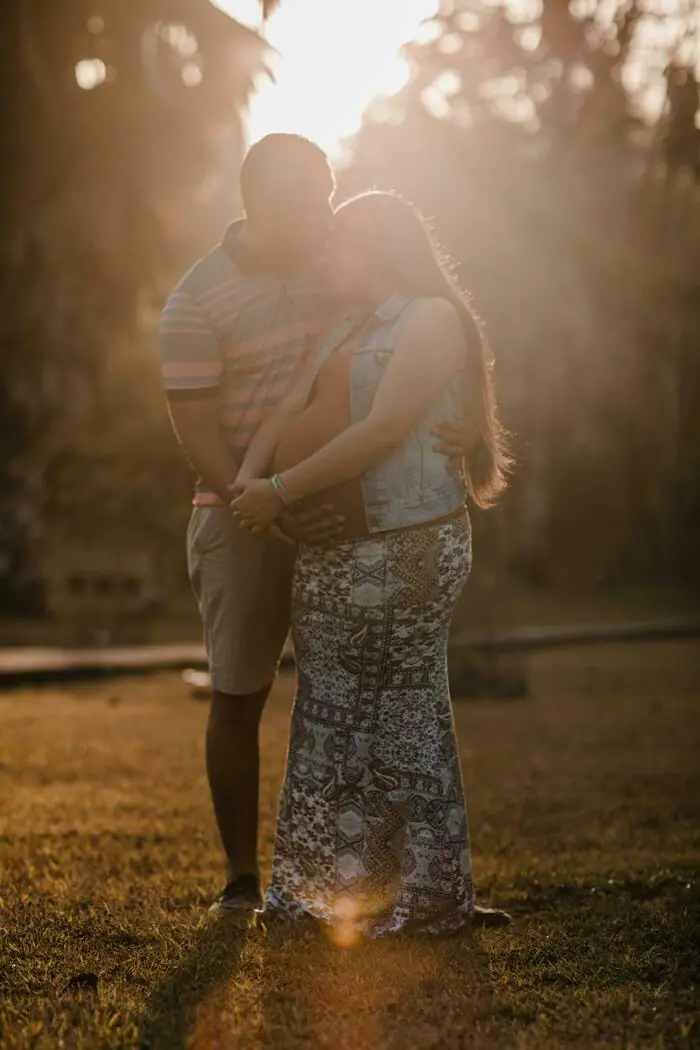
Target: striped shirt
{"type": "Point", "coordinates": [233, 330]}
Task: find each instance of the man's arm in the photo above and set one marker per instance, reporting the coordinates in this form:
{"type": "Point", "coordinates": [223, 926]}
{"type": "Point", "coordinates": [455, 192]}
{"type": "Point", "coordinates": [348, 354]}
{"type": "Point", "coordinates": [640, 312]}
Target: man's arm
{"type": "Point", "coordinates": [196, 423]}
{"type": "Point", "coordinates": [192, 368]}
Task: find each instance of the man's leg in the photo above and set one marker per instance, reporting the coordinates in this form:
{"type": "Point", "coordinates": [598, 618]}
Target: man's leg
{"type": "Point", "coordinates": [233, 770]}
{"type": "Point", "coordinates": [243, 587]}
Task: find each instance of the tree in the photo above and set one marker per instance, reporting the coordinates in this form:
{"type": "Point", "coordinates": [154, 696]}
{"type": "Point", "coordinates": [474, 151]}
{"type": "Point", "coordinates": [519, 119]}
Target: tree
{"type": "Point", "coordinates": [519, 134]}
{"type": "Point", "coordinates": [119, 120]}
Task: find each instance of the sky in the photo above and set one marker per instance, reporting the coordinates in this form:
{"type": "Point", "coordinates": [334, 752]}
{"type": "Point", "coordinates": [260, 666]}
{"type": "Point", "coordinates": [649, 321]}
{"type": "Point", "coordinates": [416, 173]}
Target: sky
{"type": "Point", "coordinates": [335, 57]}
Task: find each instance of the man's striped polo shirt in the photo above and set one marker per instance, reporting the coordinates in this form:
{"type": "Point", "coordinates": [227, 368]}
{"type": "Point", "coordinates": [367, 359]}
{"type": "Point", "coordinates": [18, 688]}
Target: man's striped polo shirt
{"type": "Point", "coordinates": [234, 330]}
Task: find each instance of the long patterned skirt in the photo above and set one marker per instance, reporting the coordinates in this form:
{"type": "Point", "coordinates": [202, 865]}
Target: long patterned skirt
{"type": "Point", "coordinates": [372, 826]}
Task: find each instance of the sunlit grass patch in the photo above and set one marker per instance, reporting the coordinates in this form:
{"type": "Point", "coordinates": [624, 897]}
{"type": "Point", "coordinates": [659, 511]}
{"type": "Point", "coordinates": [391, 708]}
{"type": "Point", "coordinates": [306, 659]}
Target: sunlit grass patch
{"type": "Point", "coordinates": [584, 809]}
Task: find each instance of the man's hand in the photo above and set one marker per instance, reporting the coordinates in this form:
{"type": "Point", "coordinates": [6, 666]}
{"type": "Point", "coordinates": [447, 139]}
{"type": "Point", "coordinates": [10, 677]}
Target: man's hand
{"type": "Point", "coordinates": [196, 423]}
{"type": "Point", "coordinates": [456, 439]}
{"type": "Point", "coordinates": [315, 525]}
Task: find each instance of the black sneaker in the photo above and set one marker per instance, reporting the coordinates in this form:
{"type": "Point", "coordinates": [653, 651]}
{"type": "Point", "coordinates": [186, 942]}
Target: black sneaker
{"type": "Point", "coordinates": [240, 897]}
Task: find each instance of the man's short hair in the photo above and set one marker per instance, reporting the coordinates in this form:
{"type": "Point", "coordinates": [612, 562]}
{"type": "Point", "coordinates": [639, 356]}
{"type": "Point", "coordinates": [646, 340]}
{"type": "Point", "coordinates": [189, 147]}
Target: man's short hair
{"type": "Point", "coordinates": [279, 161]}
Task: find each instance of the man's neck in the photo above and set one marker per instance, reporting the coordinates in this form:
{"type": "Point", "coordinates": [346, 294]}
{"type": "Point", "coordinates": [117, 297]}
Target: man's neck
{"type": "Point", "coordinates": [260, 250]}
{"type": "Point", "coordinates": [253, 242]}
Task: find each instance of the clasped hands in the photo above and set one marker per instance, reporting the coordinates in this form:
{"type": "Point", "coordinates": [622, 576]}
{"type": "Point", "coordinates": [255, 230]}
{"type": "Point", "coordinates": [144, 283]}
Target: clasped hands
{"type": "Point", "coordinates": [257, 507]}
{"type": "Point", "coordinates": [255, 504]}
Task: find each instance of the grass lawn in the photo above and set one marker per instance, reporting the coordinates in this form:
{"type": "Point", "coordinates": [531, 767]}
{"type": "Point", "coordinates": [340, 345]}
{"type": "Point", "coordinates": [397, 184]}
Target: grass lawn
{"type": "Point", "coordinates": [584, 805]}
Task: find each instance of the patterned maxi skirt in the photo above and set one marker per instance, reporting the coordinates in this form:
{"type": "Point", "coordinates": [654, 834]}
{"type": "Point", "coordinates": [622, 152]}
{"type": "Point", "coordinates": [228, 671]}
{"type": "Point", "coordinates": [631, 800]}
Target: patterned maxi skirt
{"type": "Point", "coordinates": [372, 826]}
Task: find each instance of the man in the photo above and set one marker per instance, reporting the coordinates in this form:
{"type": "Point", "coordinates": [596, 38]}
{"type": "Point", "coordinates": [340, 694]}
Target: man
{"type": "Point", "coordinates": [234, 332]}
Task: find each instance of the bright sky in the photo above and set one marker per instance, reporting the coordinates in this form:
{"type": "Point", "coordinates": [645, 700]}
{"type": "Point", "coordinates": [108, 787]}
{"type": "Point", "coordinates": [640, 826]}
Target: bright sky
{"type": "Point", "coordinates": [335, 57]}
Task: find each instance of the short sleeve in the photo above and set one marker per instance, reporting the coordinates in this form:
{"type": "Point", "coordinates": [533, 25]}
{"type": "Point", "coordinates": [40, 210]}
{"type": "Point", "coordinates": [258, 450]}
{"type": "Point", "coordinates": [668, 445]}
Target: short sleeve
{"type": "Point", "coordinates": [189, 348]}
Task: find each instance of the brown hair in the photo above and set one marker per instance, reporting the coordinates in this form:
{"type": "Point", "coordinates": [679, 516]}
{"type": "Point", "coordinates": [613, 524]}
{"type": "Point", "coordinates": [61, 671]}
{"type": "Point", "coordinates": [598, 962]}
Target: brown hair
{"type": "Point", "coordinates": [398, 241]}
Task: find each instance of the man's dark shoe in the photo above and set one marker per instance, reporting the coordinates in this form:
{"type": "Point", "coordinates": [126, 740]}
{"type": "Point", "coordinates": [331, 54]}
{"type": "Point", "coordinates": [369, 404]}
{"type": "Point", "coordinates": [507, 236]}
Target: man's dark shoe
{"type": "Point", "coordinates": [491, 917]}
{"type": "Point", "coordinates": [240, 898]}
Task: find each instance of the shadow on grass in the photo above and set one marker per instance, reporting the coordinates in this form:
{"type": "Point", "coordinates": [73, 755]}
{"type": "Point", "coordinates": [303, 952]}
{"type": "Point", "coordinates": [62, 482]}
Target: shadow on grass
{"type": "Point", "coordinates": [293, 988]}
{"type": "Point", "coordinates": [186, 998]}
{"type": "Point", "coordinates": [389, 993]}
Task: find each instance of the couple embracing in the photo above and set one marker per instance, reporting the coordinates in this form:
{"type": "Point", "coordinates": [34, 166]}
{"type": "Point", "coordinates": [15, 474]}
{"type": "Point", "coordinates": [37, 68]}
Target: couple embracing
{"type": "Point", "coordinates": [331, 387]}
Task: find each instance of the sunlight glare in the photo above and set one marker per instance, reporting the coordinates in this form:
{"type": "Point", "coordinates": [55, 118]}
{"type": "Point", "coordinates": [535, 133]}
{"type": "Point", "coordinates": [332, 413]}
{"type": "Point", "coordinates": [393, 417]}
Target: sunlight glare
{"type": "Point", "coordinates": [345, 932]}
{"type": "Point", "coordinates": [335, 57]}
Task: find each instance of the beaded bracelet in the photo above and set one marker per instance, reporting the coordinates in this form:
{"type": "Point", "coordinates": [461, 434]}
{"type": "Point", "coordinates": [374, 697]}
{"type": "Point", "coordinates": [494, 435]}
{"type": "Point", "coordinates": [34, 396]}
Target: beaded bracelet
{"type": "Point", "coordinates": [280, 490]}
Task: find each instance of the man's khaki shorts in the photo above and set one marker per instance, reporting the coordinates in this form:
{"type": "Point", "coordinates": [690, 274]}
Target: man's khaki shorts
{"type": "Point", "coordinates": [243, 587]}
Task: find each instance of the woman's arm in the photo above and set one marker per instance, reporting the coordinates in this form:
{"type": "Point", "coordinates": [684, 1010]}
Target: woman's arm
{"type": "Point", "coordinates": [429, 349]}
{"type": "Point", "coordinates": [262, 448]}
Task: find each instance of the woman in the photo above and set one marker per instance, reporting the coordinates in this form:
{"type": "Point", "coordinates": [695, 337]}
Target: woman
{"type": "Point", "coordinates": [372, 828]}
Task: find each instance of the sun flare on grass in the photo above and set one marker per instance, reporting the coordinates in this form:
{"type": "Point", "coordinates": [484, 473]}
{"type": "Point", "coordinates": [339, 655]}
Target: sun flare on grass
{"type": "Point", "coordinates": [334, 58]}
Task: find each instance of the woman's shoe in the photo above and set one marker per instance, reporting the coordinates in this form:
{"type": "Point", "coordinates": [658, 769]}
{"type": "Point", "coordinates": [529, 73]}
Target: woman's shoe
{"type": "Point", "coordinates": [491, 917]}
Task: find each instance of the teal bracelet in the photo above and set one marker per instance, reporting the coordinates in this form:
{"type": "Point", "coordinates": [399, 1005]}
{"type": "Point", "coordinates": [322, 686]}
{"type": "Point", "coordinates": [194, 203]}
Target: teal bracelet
{"type": "Point", "coordinates": [280, 490]}
{"type": "Point", "coordinates": [275, 492]}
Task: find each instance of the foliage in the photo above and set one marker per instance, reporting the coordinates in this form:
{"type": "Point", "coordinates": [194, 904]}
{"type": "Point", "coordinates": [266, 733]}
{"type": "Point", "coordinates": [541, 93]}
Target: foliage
{"type": "Point", "coordinates": [124, 136]}
{"type": "Point", "coordinates": [521, 132]}
{"type": "Point", "coordinates": [517, 136]}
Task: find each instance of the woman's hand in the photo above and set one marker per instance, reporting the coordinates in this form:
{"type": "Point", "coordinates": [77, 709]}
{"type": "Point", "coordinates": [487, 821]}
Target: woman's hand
{"type": "Point", "coordinates": [257, 505]}
{"type": "Point", "coordinates": [243, 478]}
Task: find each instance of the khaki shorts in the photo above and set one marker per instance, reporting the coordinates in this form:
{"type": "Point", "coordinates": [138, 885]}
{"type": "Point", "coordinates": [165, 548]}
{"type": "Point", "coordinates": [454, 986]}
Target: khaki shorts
{"type": "Point", "coordinates": [243, 588]}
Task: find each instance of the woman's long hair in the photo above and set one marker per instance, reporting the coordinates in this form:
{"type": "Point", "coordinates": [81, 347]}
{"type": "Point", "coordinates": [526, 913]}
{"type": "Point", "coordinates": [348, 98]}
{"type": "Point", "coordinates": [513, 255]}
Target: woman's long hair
{"type": "Point", "coordinates": [399, 243]}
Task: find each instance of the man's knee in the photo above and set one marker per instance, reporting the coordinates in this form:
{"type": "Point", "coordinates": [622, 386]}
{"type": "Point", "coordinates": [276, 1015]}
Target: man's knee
{"type": "Point", "coordinates": [237, 710]}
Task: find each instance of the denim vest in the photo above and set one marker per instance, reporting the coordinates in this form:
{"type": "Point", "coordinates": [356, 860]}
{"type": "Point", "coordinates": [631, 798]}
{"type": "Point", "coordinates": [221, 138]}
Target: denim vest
{"type": "Point", "coordinates": [412, 485]}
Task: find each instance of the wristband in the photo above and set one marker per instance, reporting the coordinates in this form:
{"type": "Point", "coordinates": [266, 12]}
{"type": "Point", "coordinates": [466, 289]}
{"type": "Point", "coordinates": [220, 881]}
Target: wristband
{"type": "Point", "coordinates": [280, 490]}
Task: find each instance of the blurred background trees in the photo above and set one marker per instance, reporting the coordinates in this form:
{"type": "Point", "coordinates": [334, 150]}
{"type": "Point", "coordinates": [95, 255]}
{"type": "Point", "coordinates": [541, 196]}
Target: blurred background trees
{"type": "Point", "coordinates": [524, 134]}
{"type": "Point", "coordinates": [565, 187]}
{"type": "Point", "coordinates": [123, 136]}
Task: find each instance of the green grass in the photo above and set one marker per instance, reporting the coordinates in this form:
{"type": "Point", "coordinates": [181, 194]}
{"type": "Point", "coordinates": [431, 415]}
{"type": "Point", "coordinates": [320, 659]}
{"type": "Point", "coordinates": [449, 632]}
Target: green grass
{"type": "Point", "coordinates": [584, 807]}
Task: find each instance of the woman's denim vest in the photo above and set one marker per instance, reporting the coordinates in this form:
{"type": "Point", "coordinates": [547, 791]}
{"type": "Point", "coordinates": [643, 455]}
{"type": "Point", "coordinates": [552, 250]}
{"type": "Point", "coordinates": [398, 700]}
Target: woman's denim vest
{"type": "Point", "coordinates": [412, 485]}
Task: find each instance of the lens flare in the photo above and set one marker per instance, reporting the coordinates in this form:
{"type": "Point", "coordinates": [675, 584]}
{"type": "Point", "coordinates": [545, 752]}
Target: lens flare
{"type": "Point", "coordinates": [346, 930]}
